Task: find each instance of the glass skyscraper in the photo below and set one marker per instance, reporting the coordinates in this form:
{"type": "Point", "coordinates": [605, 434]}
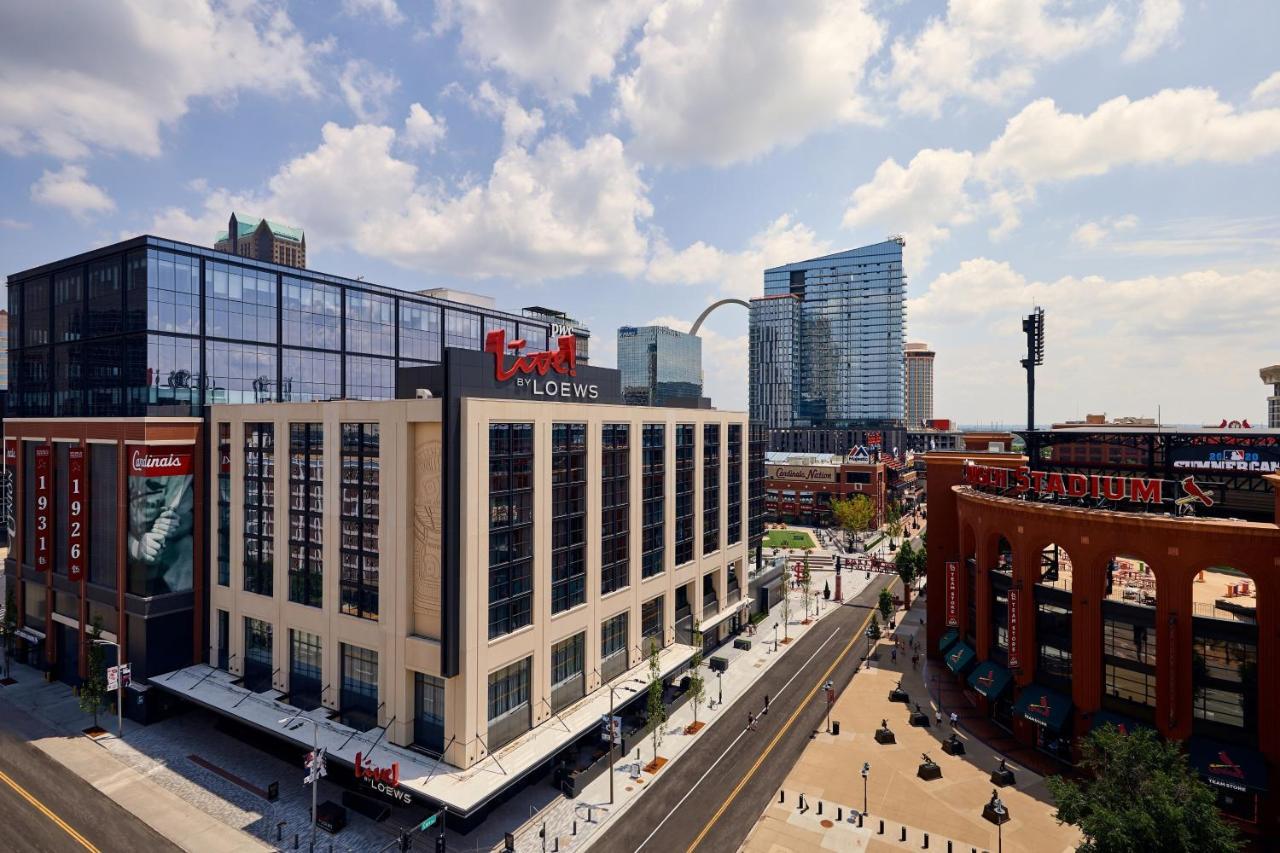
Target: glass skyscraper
{"type": "Point", "coordinates": [156, 327]}
{"type": "Point", "coordinates": [660, 366]}
{"type": "Point", "coordinates": [827, 341]}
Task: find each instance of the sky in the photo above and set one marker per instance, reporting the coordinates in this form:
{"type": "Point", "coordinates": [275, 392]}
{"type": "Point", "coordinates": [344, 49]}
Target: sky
{"type": "Point", "coordinates": [632, 161]}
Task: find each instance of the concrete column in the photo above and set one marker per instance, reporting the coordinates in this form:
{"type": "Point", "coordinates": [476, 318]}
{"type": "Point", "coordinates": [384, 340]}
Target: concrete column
{"type": "Point", "coordinates": [1026, 571]}
{"type": "Point", "coordinates": [983, 632]}
{"type": "Point", "coordinates": [1173, 648]}
{"type": "Point", "coordinates": [1088, 584]}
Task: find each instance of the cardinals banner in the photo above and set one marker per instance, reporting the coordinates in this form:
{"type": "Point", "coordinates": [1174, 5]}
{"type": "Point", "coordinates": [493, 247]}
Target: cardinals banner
{"type": "Point", "coordinates": [1015, 660]}
{"type": "Point", "coordinates": [161, 519]}
{"type": "Point", "coordinates": [10, 487]}
{"type": "Point", "coordinates": [953, 594]}
{"type": "Point", "coordinates": [43, 484]}
{"type": "Point", "coordinates": [77, 496]}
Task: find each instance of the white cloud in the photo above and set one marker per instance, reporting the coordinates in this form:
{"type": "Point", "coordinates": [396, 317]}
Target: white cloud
{"type": "Point", "coordinates": [14, 224]}
{"type": "Point", "coordinates": [736, 273]}
{"type": "Point", "coordinates": [723, 81]}
{"type": "Point", "coordinates": [385, 9]}
{"type": "Point", "coordinates": [122, 72]}
{"type": "Point", "coordinates": [1158, 333]}
{"type": "Point", "coordinates": [986, 49]}
{"type": "Point", "coordinates": [1090, 234]}
{"type": "Point", "coordinates": [548, 210]}
{"type": "Point", "coordinates": [1157, 25]}
{"type": "Point", "coordinates": [422, 129]}
{"type": "Point", "coordinates": [519, 126]}
{"type": "Point", "coordinates": [70, 190]}
{"type": "Point", "coordinates": [366, 89]}
{"type": "Point", "coordinates": [1041, 145]}
{"type": "Point", "coordinates": [1268, 91]}
{"type": "Point", "coordinates": [560, 47]}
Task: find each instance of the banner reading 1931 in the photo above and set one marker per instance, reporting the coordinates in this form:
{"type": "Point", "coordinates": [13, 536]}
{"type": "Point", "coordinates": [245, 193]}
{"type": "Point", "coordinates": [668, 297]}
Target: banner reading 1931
{"type": "Point", "coordinates": [44, 508]}
{"type": "Point", "coordinates": [76, 514]}
{"type": "Point", "coordinates": [953, 594]}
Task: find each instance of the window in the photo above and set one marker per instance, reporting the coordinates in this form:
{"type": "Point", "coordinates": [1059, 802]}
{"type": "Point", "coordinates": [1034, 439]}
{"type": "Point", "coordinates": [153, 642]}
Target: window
{"type": "Point", "coordinates": [370, 323]}
{"type": "Point", "coordinates": [304, 670]}
{"type": "Point", "coordinates": [259, 507]}
{"type": "Point", "coordinates": [257, 655]}
{"type": "Point", "coordinates": [755, 478]}
{"type": "Point", "coordinates": [1129, 656]}
{"type": "Point", "coordinates": [103, 526]}
{"type": "Point", "coordinates": [509, 712]}
{"type": "Point", "coordinates": [684, 493]}
{"type": "Point", "coordinates": [311, 314]}
{"type": "Point", "coordinates": [224, 504]}
{"type": "Point", "coordinates": [223, 639]}
{"type": "Point", "coordinates": [510, 527]}
{"type": "Point", "coordinates": [615, 508]}
{"type": "Point", "coordinates": [419, 331]}
{"type": "Point", "coordinates": [613, 646]}
{"type": "Point", "coordinates": [651, 627]}
{"type": "Point", "coordinates": [710, 488]}
{"type": "Point", "coordinates": [1224, 677]}
{"type": "Point", "coordinates": [654, 512]}
{"type": "Point", "coordinates": [733, 503]}
{"type": "Point", "coordinates": [568, 516]}
{"type": "Point", "coordinates": [240, 303]}
{"type": "Point", "coordinates": [106, 305]}
{"type": "Point", "coordinates": [307, 375]}
{"type": "Point", "coordinates": [370, 378]}
{"type": "Point", "coordinates": [567, 683]}
{"type": "Point", "coordinates": [461, 329]}
{"type": "Point", "coordinates": [359, 695]}
{"type": "Point", "coordinates": [68, 306]}
{"type": "Point", "coordinates": [306, 513]}
{"type": "Point", "coordinates": [239, 373]}
{"type": "Point", "coordinates": [428, 712]}
{"type": "Point", "coordinates": [173, 293]}
{"type": "Point", "coordinates": [358, 585]}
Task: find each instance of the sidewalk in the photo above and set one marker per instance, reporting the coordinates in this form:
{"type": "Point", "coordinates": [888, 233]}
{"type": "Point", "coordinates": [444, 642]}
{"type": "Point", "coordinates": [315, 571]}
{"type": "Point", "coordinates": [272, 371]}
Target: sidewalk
{"type": "Point", "coordinates": [47, 715]}
{"type": "Point", "coordinates": [745, 667]}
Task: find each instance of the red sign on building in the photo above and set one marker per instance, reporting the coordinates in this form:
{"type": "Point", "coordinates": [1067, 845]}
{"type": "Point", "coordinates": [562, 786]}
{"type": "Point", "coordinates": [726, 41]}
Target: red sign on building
{"type": "Point", "coordinates": [77, 495]}
{"type": "Point", "coordinates": [44, 506]}
{"type": "Point", "coordinates": [562, 360]}
{"type": "Point", "coordinates": [953, 594]}
{"type": "Point", "coordinates": [1015, 659]}
{"type": "Point", "coordinates": [175, 461]}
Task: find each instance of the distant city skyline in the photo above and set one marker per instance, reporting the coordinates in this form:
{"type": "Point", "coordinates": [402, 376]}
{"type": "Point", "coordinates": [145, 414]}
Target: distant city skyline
{"type": "Point", "coordinates": [632, 162]}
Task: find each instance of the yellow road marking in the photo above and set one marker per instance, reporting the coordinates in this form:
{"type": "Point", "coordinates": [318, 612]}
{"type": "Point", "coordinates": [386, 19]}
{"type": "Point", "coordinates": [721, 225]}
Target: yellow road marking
{"type": "Point", "coordinates": [22, 792]}
{"type": "Point", "coordinates": [786, 728]}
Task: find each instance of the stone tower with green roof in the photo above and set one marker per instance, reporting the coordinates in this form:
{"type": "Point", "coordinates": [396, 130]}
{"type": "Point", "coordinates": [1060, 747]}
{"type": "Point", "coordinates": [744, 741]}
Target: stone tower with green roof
{"type": "Point", "coordinates": [263, 240]}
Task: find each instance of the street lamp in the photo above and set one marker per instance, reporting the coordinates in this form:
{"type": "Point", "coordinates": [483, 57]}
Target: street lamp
{"type": "Point", "coordinates": [612, 742]}
{"type": "Point", "coordinates": [866, 771]}
{"type": "Point", "coordinates": [119, 688]}
{"type": "Point", "coordinates": [775, 637]}
{"type": "Point", "coordinates": [720, 684]}
{"type": "Point", "coordinates": [315, 749]}
{"type": "Point", "coordinates": [1000, 812]}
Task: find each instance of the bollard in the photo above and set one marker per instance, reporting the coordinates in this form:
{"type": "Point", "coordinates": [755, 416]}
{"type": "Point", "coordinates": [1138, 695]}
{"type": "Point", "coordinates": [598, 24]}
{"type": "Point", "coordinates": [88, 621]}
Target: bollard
{"type": "Point", "coordinates": [860, 817]}
{"type": "Point", "coordinates": [782, 796]}
{"type": "Point", "coordinates": [926, 841]}
{"type": "Point", "coordinates": [904, 834]}
{"type": "Point", "coordinates": [295, 841]}
{"type": "Point", "coordinates": [280, 828]}
{"type": "Point", "coordinates": [575, 827]}
{"type": "Point", "coordinates": [555, 845]}
{"type": "Point", "coordinates": [839, 814]}
{"type": "Point", "coordinates": [819, 806]}
{"type": "Point", "coordinates": [881, 832]}
{"type": "Point", "coordinates": [948, 847]}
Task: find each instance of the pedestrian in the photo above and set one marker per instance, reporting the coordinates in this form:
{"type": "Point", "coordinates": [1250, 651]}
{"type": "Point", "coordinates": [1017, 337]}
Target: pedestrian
{"type": "Point", "coordinates": [937, 716]}
{"type": "Point", "coordinates": [751, 721]}
{"type": "Point", "coordinates": [955, 720]}
{"type": "Point", "coordinates": [766, 705]}
{"type": "Point", "coordinates": [915, 659]}
{"type": "Point", "coordinates": [893, 653]}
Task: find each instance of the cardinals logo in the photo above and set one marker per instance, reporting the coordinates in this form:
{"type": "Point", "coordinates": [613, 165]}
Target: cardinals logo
{"type": "Point", "coordinates": [1224, 766]}
{"type": "Point", "coordinates": [1193, 494]}
{"type": "Point", "coordinates": [1042, 707]}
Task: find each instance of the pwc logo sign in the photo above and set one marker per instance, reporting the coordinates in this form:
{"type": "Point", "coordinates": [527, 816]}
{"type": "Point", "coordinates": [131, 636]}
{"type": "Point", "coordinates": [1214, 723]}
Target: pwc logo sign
{"type": "Point", "coordinates": [530, 371]}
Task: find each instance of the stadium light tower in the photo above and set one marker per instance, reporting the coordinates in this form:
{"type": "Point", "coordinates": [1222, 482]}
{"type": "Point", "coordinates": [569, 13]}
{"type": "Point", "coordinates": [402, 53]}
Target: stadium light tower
{"type": "Point", "coordinates": [1033, 326]}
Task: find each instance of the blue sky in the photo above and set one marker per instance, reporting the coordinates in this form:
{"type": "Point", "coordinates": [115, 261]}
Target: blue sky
{"type": "Point", "coordinates": [629, 162]}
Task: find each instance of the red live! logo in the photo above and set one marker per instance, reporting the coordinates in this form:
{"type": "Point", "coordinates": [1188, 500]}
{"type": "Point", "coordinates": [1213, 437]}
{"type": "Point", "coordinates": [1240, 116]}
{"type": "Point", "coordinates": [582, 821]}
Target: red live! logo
{"type": "Point", "coordinates": [562, 360]}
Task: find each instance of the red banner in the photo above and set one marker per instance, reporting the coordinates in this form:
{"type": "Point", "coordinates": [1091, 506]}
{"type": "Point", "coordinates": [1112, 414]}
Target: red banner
{"type": "Point", "coordinates": [43, 483]}
{"type": "Point", "coordinates": [953, 594]}
{"type": "Point", "coordinates": [11, 451]}
{"type": "Point", "coordinates": [176, 461]}
{"type": "Point", "coordinates": [1014, 658]}
{"type": "Point", "coordinates": [77, 496]}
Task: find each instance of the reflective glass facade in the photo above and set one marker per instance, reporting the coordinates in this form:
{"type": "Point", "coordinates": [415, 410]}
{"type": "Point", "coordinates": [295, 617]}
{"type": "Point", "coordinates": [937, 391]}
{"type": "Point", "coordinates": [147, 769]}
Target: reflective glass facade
{"type": "Point", "coordinates": [659, 366]}
{"type": "Point", "coordinates": [827, 340]}
{"type": "Point", "coordinates": [155, 327]}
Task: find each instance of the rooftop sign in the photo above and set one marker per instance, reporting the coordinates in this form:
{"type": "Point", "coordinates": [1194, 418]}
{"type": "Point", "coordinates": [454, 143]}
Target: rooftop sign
{"type": "Point", "coordinates": [1051, 484]}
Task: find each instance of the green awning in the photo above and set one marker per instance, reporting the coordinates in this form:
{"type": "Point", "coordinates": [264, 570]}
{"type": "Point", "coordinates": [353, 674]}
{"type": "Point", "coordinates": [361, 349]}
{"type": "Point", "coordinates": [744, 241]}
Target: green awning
{"type": "Point", "coordinates": [960, 657]}
{"type": "Point", "coordinates": [1043, 706]}
{"type": "Point", "coordinates": [948, 639]}
{"type": "Point", "coordinates": [990, 679]}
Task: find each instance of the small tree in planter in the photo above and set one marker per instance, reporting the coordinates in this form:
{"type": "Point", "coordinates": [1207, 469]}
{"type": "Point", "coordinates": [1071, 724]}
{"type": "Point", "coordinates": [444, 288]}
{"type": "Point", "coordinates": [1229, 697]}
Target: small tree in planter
{"type": "Point", "coordinates": [826, 590]}
{"type": "Point", "coordinates": [697, 684]}
{"type": "Point", "coordinates": [886, 604]}
{"type": "Point", "coordinates": [806, 588]}
{"type": "Point", "coordinates": [657, 711]}
{"type": "Point", "coordinates": [873, 630]}
{"type": "Point", "coordinates": [93, 690]}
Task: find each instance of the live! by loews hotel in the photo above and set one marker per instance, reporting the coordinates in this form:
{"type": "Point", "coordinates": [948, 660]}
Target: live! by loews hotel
{"type": "Point", "coordinates": [466, 567]}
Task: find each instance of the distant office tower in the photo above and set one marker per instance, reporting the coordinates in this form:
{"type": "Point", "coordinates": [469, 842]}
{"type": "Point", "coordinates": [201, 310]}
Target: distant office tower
{"type": "Point", "coordinates": [1271, 376]}
{"type": "Point", "coordinates": [4, 349]}
{"type": "Point", "coordinates": [919, 378]}
{"type": "Point", "coordinates": [263, 240]}
{"type": "Point", "coordinates": [826, 346]}
{"type": "Point", "coordinates": [660, 366]}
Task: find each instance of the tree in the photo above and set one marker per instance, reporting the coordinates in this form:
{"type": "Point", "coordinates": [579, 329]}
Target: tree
{"type": "Point", "coordinates": [697, 685]}
{"type": "Point", "coordinates": [806, 587]}
{"type": "Point", "coordinates": [786, 613]}
{"type": "Point", "coordinates": [1139, 794]}
{"type": "Point", "coordinates": [873, 630]}
{"type": "Point", "coordinates": [657, 710]}
{"type": "Point", "coordinates": [853, 515]}
{"type": "Point", "coordinates": [906, 565]}
{"type": "Point", "coordinates": [8, 626]}
{"type": "Point", "coordinates": [93, 690]}
{"type": "Point", "coordinates": [893, 518]}
{"type": "Point", "coordinates": [886, 603]}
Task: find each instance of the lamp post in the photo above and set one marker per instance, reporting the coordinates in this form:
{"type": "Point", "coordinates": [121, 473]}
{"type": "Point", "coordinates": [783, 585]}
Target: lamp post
{"type": "Point", "coordinates": [1000, 811]}
{"type": "Point", "coordinates": [775, 637]}
{"type": "Point", "coordinates": [720, 685]}
{"type": "Point", "coordinates": [315, 749]}
{"type": "Point", "coordinates": [612, 742]}
{"type": "Point", "coordinates": [119, 688]}
{"type": "Point", "coordinates": [866, 771]}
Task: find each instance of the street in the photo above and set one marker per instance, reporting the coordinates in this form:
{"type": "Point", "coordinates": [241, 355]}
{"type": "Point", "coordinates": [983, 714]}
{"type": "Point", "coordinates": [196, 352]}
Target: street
{"type": "Point", "coordinates": [710, 799]}
{"type": "Point", "coordinates": [67, 814]}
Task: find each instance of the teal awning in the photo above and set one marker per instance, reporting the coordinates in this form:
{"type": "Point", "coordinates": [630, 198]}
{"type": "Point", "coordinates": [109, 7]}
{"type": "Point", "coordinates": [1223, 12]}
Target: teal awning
{"type": "Point", "coordinates": [960, 657]}
{"type": "Point", "coordinates": [1236, 768]}
{"type": "Point", "coordinates": [1043, 706]}
{"type": "Point", "coordinates": [948, 639]}
{"type": "Point", "coordinates": [990, 679]}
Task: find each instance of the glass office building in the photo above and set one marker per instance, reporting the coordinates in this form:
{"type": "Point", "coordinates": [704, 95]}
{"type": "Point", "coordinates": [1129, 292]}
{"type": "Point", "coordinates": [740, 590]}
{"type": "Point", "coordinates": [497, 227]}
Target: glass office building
{"type": "Point", "coordinates": [660, 366]}
{"type": "Point", "coordinates": [152, 327]}
{"type": "Point", "coordinates": [827, 341]}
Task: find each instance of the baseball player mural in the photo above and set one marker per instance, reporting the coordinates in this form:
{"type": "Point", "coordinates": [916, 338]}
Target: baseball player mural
{"type": "Point", "coordinates": [161, 519]}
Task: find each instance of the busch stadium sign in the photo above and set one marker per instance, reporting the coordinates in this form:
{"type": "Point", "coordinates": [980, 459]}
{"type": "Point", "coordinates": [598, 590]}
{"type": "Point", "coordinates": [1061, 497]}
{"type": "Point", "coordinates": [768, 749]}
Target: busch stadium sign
{"type": "Point", "coordinates": [1051, 484]}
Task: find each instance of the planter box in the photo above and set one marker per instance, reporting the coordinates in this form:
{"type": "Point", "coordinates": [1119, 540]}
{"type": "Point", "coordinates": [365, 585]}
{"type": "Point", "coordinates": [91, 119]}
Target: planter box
{"type": "Point", "coordinates": [742, 643]}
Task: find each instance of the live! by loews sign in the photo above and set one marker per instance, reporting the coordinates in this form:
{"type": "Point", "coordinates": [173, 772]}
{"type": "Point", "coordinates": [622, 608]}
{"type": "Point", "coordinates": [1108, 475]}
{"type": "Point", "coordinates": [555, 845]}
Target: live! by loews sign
{"type": "Point", "coordinates": [537, 371]}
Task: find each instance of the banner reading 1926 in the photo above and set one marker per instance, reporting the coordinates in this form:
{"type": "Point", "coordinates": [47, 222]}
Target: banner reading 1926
{"type": "Point", "coordinates": [953, 594]}
{"type": "Point", "coordinates": [76, 514]}
{"type": "Point", "coordinates": [44, 508]}
{"type": "Point", "coordinates": [1014, 658]}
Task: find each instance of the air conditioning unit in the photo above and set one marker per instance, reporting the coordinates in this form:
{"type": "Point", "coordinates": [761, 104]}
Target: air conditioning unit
{"type": "Point", "coordinates": [423, 393]}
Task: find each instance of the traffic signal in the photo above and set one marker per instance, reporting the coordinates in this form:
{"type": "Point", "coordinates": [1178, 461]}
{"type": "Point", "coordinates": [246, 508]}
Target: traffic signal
{"type": "Point", "coordinates": [440, 843]}
{"type": "Point", "coordinates": [406, 843]}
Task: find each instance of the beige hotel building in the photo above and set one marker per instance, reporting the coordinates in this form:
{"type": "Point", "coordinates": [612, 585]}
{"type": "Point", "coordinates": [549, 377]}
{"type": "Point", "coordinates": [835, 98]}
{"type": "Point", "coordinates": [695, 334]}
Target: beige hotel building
{"type": "Point", "coordinates": [469, 563]}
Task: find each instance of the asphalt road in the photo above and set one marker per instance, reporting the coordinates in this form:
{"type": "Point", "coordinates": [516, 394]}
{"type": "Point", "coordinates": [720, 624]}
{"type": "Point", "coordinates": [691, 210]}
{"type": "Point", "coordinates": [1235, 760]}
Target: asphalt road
{"type": "Point", "coordinates": [85, 811]}
{"type": "Point", "coordinates": [710, 799]}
